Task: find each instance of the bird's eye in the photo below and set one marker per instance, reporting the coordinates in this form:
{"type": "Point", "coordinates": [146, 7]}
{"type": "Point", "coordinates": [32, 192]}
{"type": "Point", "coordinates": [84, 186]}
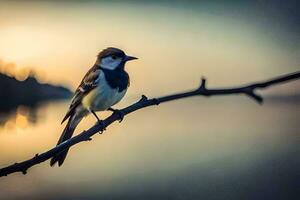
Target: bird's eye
{"type": "Point", "coordinates": [114, 57]}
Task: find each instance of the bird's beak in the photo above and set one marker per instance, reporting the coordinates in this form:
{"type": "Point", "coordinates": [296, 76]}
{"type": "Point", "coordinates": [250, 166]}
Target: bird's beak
{"type": "Point", "coordinates": [128, 58]}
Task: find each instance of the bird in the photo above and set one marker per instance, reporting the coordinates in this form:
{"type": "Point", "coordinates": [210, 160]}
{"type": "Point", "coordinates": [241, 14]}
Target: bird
{"type": "Point", "coordinates": [103, 86]}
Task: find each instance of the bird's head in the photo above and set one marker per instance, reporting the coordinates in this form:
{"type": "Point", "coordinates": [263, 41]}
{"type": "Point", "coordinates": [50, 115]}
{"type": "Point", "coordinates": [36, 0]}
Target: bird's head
{"type": "Point", "coordinates": [113, 58]}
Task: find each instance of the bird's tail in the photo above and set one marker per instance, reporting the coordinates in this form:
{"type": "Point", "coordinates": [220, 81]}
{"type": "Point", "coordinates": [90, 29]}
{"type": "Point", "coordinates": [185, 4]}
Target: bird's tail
{"type": "Point", "coordinates": [66, 134]}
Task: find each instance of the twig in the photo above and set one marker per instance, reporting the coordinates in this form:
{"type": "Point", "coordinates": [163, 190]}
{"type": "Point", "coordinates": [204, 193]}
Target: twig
{"type": "Point", "coordinates": [248, 90]}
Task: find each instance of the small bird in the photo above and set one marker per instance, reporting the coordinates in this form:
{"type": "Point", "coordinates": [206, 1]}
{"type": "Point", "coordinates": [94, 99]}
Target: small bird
{"type": "Point", "coordinates": [104, 85]}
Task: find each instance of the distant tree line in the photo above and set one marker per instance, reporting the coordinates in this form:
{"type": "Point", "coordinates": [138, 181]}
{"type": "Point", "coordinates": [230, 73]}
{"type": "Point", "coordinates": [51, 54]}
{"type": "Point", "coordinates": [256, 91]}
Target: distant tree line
{"type": "Point", "coordinates": [27, 92]}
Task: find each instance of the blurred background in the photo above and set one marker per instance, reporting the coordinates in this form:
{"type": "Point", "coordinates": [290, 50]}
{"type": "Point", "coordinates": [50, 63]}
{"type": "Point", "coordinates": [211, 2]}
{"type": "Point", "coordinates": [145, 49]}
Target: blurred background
{"type": "Point", "coordinates": [197, 148]}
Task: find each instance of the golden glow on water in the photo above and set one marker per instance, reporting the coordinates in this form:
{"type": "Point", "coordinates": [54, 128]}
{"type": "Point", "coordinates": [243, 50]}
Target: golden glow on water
{"type": "Point", "coordinates": [18, 120]}
{"type": "Point", "coordinates": [154, 142]}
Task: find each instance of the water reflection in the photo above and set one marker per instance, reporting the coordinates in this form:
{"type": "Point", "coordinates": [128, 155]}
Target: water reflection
{"type": "Point", "coordinates": [159, 153]}
{"type": "Point", "coordinates": [21, 117]}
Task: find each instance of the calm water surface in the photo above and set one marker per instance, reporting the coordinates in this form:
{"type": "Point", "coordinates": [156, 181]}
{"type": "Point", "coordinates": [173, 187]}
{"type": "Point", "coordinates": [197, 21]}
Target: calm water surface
{"type": "Point", "coordinates": [193, 148]}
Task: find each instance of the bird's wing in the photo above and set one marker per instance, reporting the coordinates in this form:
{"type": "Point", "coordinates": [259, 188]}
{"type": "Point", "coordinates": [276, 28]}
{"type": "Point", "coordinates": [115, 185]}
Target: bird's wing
{"type": "Point", "coordinates": [88, 83]}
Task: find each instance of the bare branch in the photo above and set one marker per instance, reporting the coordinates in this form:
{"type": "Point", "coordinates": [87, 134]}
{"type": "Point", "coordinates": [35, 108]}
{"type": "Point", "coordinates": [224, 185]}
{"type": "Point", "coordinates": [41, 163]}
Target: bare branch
{"type": "Point", "coordinates": [248, 90]}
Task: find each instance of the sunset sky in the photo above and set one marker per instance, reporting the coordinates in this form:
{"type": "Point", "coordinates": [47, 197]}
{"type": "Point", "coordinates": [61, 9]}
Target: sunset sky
{"type": "Point", "coordinates": [230, 44]}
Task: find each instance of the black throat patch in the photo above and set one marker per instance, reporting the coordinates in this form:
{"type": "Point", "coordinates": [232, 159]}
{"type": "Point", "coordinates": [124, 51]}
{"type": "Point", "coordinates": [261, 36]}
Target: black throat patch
{"type": "Point", "coordinates": [116, 78]}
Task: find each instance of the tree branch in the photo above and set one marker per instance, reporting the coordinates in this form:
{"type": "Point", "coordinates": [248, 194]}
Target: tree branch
{"type": "Point", "coordinates": [248, 90]}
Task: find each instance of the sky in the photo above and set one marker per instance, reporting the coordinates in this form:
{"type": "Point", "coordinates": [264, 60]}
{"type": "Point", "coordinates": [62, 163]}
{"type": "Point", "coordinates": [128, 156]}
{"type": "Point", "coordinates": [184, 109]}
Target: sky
{"type": "Point", "coordinates": [182, 40]}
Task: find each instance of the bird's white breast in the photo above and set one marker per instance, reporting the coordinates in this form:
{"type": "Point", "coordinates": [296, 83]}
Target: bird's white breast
{"type": "Point", "coordinates": [103, 96]}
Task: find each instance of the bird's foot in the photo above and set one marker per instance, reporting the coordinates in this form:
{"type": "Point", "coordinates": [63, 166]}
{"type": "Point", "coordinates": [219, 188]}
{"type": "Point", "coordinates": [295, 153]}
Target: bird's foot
{"type": "Point", "coordinates": [119, 113]}
{"type": "Point", "coordinates": [102, 124]}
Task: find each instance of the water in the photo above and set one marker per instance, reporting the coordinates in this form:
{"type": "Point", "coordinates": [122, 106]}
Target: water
{"type": "Point", "coordinates": [213, 148]}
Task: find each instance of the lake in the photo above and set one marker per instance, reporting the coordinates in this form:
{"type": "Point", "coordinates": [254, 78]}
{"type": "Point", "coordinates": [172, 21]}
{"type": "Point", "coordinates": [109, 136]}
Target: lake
{"type": "Point", "coordinates": [214, 148]}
